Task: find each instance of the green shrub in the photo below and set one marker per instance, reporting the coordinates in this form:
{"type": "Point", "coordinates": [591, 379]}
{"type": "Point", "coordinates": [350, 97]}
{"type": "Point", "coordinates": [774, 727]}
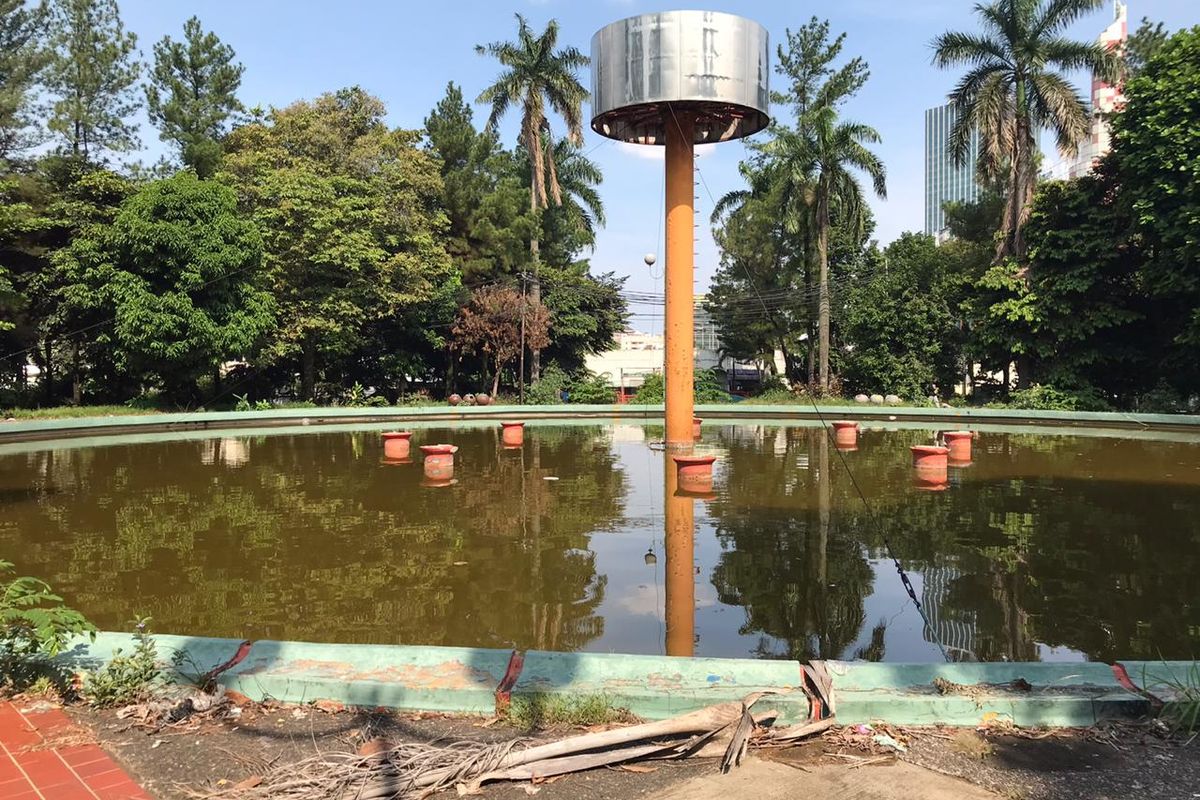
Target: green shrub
{"type": "Point", "coordinates": [126, 679]}
{"type": "Point", "coordinates": [244, 404]}
{"type": "Point", "coordinates": [592, 389]}
{"type": "Point", "coordinates": [357, 395]}
{"type": "Point", "coordinates": [415, 399]}
{"type": "Point", "coordinates": [707, 386]}
{"type": "Point", "coordinates": [775, 395]}
{"type": "Point", "coordinates": [1162, 399]}
{"type": "Point", "coordinates": [1048, 398]}
{"type": "Point", "coordinates": [35, 625]}
{"type": "Point", "coordinates": [583, 387]}
{"type": "Point", "coordinates": [545, 391]}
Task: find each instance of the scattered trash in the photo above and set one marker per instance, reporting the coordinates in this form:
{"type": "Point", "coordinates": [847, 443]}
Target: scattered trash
{"type": "Point", "coordinates": [883, 740]}
{"type": "Point", "coordinates": [549, 478]}
{"type": "Point", "coordinates": [177, 708]}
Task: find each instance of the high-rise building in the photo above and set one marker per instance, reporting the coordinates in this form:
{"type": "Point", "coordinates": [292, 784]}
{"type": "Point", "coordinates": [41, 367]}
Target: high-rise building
{"type": "Point", "coordinates": [1106, 98]}
{"type": "Point", "coordinates": [946, 181]}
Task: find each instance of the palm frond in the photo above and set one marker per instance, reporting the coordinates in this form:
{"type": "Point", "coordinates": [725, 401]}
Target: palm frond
{"type": "Point", "coordinates": [955, 47]}
{"type": "Point", "coordinates": [993, 113]}
{"type": "Point", "coordinates": [728, 204]}
{"type": "Point", "coordinates": [966, 99]}
{"type": "Point", "coordinates": [1059, 14]}
{"type": "Point", "coordinates": [1071, 55]}
{"type": "Point", "coordinates": [1059, 107]}
{"type": "Point", "coordinates": [1002, 18]}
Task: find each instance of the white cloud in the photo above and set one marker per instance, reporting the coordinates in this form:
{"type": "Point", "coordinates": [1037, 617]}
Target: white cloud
{"type": "Point", "coordinates": [651, 152]}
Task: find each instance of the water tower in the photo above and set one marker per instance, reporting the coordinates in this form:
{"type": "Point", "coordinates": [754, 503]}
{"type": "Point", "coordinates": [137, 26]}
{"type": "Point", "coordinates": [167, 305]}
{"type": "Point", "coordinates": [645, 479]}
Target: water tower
{"type": "Point", "coordinates": [678, 79]}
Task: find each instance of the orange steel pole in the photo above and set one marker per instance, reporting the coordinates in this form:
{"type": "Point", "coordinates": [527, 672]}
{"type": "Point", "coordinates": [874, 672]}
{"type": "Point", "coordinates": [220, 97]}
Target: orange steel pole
{"type": "Point", "coordinates": [680, 573]}
{"type": "Point", "coordinates": [680, 344]}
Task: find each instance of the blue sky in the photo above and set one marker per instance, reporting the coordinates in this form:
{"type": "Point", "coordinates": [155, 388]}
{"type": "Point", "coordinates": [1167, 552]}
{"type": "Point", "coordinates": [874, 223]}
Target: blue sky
{"type": "Point", "coordinates": [405, 52]}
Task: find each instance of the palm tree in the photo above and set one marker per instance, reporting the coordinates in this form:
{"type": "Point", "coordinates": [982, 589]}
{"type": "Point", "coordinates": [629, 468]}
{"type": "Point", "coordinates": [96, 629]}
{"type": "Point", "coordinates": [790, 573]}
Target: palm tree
{"type": "Point", "coordinates": [570, 226]}
{"type": "Point", "coordinates": [1012, 91]}
{"type": "Point", "coordinates": [838, 149]}
{"type": "Point", "coordinates": [814, 165]}
{"type": "Point", "coordinates": [578, 177]}
{"type": "Point", "coordinates": [537, 75]}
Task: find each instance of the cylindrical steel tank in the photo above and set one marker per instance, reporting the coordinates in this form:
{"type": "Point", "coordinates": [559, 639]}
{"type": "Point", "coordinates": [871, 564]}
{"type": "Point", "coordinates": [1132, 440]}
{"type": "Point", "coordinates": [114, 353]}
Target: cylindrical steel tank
{"type": "Point", "coordinates": [710, 64]}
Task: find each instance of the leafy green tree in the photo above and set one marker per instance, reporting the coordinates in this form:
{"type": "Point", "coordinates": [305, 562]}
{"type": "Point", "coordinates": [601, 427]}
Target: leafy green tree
{"type": "Point", "coordinates": [1011, 92]}
{"type": "Point", "coordinates": [92, 77]}
{"type": "Point", "coordinates": [485, 200]}
{"type": "Point", "coordinates": [180, 272]}
{"type": "Point", "coordinates": [812, 166]}
{"type": "Point", "coordinates": [537, 74]}
{"type": "Point", "coordinates": [1142, 45]}
{"type": "Point", "coordinates": [351, 222]}
{"type": "Point", "coordinates": [59, 200]}
{"type": "Point", "coordinates": [900, 323]}
{"type": "Point", "coordinates": [1157, 156]}
{"type": "Point", "coordinates": [759, 296]}
{"type": "Point", "coordinates": [192, 94]}
{"type": "Point", "coordinates": [1088, 304]}
{"type": "Point", "coordinates": [22, 59]}
{"type": "Point", "coordinates": [586, 312]}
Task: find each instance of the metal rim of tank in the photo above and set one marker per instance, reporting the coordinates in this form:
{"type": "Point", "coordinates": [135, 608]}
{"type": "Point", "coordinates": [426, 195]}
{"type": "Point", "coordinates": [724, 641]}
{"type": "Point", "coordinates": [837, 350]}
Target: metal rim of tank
{"type": "Point", "coordinates": [711, 65]}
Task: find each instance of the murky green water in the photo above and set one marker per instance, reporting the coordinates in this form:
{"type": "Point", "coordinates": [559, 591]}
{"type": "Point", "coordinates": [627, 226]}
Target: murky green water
{"type": "Point", "coordinates": [1045, 547]}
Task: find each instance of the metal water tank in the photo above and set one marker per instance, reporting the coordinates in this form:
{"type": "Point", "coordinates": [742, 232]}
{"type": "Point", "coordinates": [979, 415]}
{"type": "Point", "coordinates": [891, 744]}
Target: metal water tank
{"type": "Point", "coordinates": [710, 64]}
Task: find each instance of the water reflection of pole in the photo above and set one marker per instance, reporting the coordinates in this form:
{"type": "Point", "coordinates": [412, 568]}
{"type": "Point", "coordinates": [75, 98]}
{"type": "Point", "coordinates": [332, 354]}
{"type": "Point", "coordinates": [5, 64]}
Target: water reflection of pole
{"type": "Point", "coordinates": [823, 492]}
{"type": "Point", "coordinates": [681, 584]}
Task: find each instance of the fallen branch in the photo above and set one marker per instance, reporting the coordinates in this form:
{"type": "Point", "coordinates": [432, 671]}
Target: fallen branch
{"type": "Point", "coordinates": [415, 771]}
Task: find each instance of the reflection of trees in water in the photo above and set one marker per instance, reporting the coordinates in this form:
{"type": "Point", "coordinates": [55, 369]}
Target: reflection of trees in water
{"type": "Point", "coordinates": [797, 568]}
{"type": "Point", "coordinates": [1082, 542]}
{"type": "Point", "coordinates": [1066, 541]}
{"type": "Point", "coordinates": [309, 537]}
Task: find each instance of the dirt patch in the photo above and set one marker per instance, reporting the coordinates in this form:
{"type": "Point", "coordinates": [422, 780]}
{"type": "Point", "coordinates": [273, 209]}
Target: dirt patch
{"type": "Point", "coordinates": [178, 764]}
{"type": "Point", "coordinates": [1063, 765]}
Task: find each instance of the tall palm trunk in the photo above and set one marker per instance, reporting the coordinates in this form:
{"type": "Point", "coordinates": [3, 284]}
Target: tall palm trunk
{"type": "Point", "coordinates": [1020, 185]}
{"type": "Point", "coordinates": [823, 291]}
{"type": "Point", "coordinates": [535, 284]}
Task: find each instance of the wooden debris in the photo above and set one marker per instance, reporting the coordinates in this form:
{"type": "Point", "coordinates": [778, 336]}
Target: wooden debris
{"type": "Point", "coordinates": [380, 770]}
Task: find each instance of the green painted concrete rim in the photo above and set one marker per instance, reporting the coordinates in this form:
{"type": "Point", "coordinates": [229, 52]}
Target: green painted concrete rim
{"type": "Point", "coordinates": [465, 679]}
{"type": "Point", "coordinates": [49, 429]}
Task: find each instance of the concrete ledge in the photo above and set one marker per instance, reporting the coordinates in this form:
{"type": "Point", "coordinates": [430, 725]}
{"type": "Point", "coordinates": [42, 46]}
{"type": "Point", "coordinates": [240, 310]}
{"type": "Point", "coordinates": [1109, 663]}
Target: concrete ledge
{"type": "Point", "coordinates": [465, 680]}
{"type": "Point", "coordinates": [657, 687]}
{"type": "Point", "coordinates": [449, 679]}
{"type": "Point", "coordinates": [1061, 695]}
{"type": "Point", "coordinates": [37, 430]}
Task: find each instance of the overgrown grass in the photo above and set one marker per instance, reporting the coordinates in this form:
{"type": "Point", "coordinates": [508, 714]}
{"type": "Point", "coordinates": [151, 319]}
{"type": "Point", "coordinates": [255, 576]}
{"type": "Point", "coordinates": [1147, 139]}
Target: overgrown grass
{"type": "Point", "coordinates": [1182, 711]}
{"type": "Point", "coordinates": [75, 412]}
{"type": "Point", "coordinates": [782, 397]}
{"type": "Point", "coordinates": [535, 711]}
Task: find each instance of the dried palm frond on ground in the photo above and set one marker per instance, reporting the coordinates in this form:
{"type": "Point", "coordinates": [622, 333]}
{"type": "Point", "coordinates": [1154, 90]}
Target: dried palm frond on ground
{"type": "Point", "coordinates": [177, 708]}
{"type": "Point", "coordinates": [381, 771]}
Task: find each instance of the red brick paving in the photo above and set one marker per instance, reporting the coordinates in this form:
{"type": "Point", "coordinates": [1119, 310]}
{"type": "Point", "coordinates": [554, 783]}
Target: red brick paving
{"type": "Point", "coordinates": [32, 768]}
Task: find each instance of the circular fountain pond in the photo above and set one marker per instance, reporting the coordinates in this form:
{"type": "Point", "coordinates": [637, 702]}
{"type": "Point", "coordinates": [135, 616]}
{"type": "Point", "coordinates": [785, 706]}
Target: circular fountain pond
{"type": "Point", "coordinates": [1047, 546]}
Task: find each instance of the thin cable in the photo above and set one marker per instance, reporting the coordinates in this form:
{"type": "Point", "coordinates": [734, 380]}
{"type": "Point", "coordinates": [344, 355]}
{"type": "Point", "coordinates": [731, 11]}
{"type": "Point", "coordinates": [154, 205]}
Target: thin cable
{"type": "Point", "coordinates": [871, 514]}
